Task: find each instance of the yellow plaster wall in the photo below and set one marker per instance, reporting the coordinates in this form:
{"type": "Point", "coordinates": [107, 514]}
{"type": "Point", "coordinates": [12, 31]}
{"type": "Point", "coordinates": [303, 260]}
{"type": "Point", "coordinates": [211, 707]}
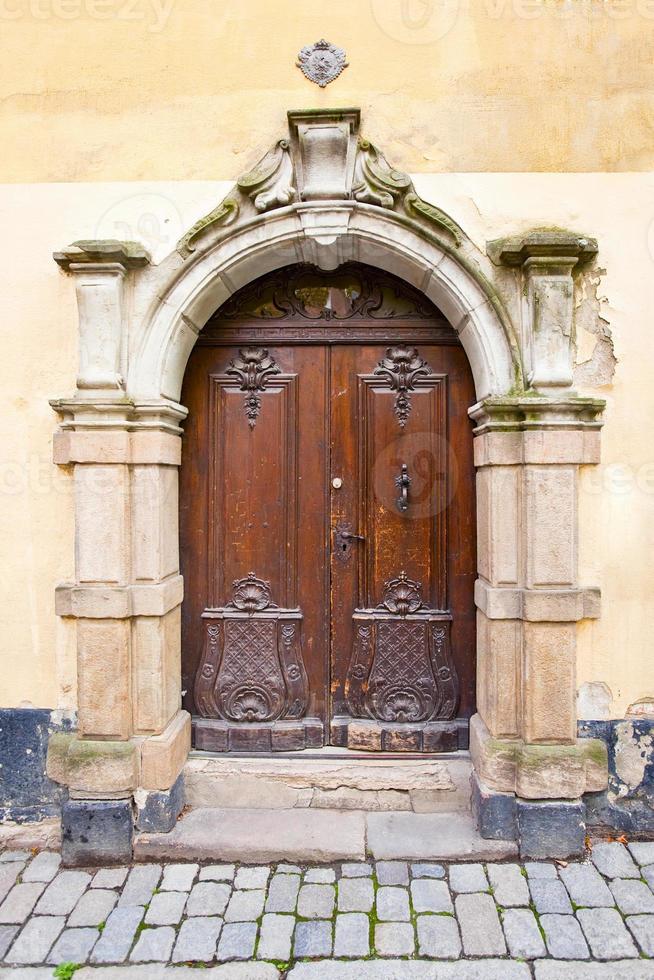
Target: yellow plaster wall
{"type": "Point", "coordinates": [189, 89]}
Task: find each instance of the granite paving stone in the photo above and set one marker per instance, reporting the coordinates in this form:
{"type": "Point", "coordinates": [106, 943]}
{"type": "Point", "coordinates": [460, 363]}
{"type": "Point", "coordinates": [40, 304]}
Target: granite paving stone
{"type": "Point", "coordinates": [43, 868]}
{"type": "Point", "coordinates": [316, 901]}
{"type": "Point", "coordinates": [479, 922]}
{"type": "Point", "coordinates": [320, 876]}
{"type": "Point", "coordinates": [208, 898]}
{"type": "Point", "coordinates": [245, 906]}
{"type": "Point", "coordinates": [290, 869]}
{"type": "Point", "coordinates": [523, 937]}
{"type": "Point", "coordinates": [7, 934]}
{"type": "Point", "coordinates": [356, 869]}
{"type": "Point", "coordinates": [237, 941]}
{"type": "Point", "coordinates": [197, 940]}
{"type": "Point", "coordinates": [392, 872]}
{"type": "Point", "coordinates": [14, 856]}
{"type": "Point", "coordinates": [282, 893]}
{"type": "Point", "coordinates": [36, 940]}
{"type": "Point", "coordinates": [632, 897]}
{"type": "Point", "coordinates": [642, 929]}
{"type": "Point", "coordinates": [606, 934]}
{"type": "Point", "coordinates": [256, 877]}
{"type": "Point", "coordinates": [509, 885]}
{"type": "Point", "coordinates": [438, 937]}
{"type": "Point", "coordinates": [613, 860]}
{"type": "Point", "coordinates": [394, 939]}
{"type": "Point", "coordinates": [468, 878]}
{"type": "Point", "coordinates": [63, 892]}
{"type": "Point", "coordinates": [166, 908]}
{"type": "Point", "coordinates": [648, 875]}
{"type": "Point", "coordinates": [549, 896]}
{"type": "Point", "coordinates": [564, 938]}
{"type": "Point", "coordinates": [642, 851]}
{"type": "Point", "coordinates": [218, 872]}
{"type": "Point", "coordinates": [178, 877]}
{"type": "Point", "coordinates": [20, 901]}
{"type": "Point", "coordinates": [393, 904]}
{"type": "Point", "coordinates": [352, 935]}
{"type": "Point", "coordinates": [93, 907]}
{"type": "Point", "coordinates": [426, 870]}
{"type": "Point", "coordinates": [276, 937]}
{"type": "Point", "coordinates": [428, 895]}
{"type": "Point", "coordinates": [118, 934]}
{"type": "Point", "coordinates": [539, 869]}
{"type": "Point", "coordinates": [312, 939]}
{"type": "Point", "coordinates": [73, 946]}
{"type": "Point", "coordinates": [109, 878]}
{"type": "Point", "coordinates": [355, 895]}
{"type": "Point", "coordinates": [140, 884]}
{"type": "Point", "coordinates": [586, 886]}
{"type": "Point", "coordinates": [154, 945]}
{"type": "Point", "coordinates": [576, 970]}
{"type": "Point", "coordinates": [8, 874]}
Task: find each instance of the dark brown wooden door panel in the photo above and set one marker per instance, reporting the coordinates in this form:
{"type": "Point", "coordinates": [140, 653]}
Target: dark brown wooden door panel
{"type": "Point", "coordinates": [328, 526]}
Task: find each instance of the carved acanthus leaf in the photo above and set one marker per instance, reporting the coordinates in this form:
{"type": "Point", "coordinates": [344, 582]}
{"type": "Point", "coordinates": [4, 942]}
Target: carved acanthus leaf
{"type": "Point", "coordinates": [402, 366]}
{"type": "Point", "coordinates": [270, 183]}
{"type": "Point", "coordinates": [253, 367]}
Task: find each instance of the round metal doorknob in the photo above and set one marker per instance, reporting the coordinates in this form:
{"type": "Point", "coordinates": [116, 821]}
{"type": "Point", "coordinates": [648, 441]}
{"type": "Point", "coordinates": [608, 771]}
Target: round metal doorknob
{"type": "Point", "coordinates": [337, 483]}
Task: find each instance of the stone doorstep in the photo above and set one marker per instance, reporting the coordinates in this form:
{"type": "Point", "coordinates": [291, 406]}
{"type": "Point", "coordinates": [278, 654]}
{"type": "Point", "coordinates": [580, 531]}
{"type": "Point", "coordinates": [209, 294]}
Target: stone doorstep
{"type": "Point", "coordinates": [315, 836]}
{"type": "Point", "coordinates": [329, 780]}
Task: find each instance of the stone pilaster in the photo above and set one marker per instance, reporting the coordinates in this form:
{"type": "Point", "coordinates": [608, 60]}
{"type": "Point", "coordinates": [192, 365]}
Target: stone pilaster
{"type": "Point", "coordinates": [528, 452]}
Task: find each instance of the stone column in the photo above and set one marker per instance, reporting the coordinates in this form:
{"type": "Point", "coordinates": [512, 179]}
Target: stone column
{"type": "Point", "coordinates": [132, 737]}
{"type": "Point", "coordinates": [528, 451]}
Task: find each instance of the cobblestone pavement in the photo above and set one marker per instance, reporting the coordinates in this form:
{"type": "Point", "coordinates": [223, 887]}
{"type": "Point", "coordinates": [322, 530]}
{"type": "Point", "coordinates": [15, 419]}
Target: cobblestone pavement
{"type": "Point", "coordinates": [377, 920]}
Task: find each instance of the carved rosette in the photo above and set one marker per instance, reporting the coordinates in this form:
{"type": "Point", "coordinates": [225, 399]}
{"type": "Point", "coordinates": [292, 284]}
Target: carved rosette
{"type": "Point", "coordinates": [401, 669]}
{"type": "Point", "coordinates": [402, 367]}
{"type": "Point", "coordinates": [251, 668]}
{"type": "Point", "coordinates": [253, 368]}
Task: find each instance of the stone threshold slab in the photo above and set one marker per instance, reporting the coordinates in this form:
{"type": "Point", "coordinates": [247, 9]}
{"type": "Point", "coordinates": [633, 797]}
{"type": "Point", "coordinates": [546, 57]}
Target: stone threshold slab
{"type": "Point", "coordinates": [320, 836]}
{"type": "Point", "coordinates": [150, 971]}
{"type": "Point", "coordinates": [407, 970]}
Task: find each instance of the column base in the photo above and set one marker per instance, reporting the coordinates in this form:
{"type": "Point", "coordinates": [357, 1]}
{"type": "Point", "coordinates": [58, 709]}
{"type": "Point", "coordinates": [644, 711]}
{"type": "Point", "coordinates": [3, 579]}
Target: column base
{"type": "Point", "coordinates": [157, 811]}
{"type": "Point", "coordinates": [95, 832]}
{"type": "Point", "coordinates": [544, 829]}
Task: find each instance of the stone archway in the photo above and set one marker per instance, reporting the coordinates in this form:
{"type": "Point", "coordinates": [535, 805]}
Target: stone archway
{"type": "Point", "coordinates": [325, 196]}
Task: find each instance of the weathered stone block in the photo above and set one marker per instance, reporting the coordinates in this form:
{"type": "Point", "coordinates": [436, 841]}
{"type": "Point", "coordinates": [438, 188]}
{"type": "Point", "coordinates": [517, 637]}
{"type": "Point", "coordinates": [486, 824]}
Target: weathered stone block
{"type": "Point", "coordinates": [158, 810]}
{"type": "Point", "coordinates": [163, 756]}
{"type": "Point", "coordinates": [495, 813]}
{"type": "Point", "coordinates": [551, 829]}
{"type": "Point", "coordinates": [102, 768]}
{"type": "Point", "coordinates": [96, 832]}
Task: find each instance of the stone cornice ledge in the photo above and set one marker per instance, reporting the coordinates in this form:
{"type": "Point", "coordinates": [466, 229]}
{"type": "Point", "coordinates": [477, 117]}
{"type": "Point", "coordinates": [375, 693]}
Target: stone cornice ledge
{"type": "Point", "coordinates": [521, 413]}
{"type": "Point", "coordinates": [537, 605]}
{"type": "Point", "coordinates": [119, 413]}
{"type": "Point", "coordinates": [542, 245]}
{"type": "Point", "coordinates": [130, 255]}
{"type": "Point", "coordinates": [119, 601]}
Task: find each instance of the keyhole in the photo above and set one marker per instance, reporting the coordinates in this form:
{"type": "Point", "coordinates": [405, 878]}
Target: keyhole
{"type": "Point", "coordinates": [344, 546]}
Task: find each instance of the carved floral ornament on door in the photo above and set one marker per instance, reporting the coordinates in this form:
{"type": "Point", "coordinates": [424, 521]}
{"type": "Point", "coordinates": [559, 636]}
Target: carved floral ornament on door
{"type": "Point", "coordinates": [325, 196]}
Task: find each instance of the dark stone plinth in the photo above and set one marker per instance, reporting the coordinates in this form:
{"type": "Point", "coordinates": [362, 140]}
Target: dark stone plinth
{"type": "Point", "coordinates": [96, 832]}
{"type": "Point", "coordinates": [495, 813]}
{"type": "Point", "coordinates": [625, 806]}
{"type": "Point", "coordinates": [26, 792]}
{"type": "Point", "coordinates": [159, 813]}
{"type": "Point", "coordinates": [551, 828]}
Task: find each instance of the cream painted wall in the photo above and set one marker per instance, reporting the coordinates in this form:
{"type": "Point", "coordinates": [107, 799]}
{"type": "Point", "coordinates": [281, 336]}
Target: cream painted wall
{"type": "Point", "coordinates": [189, 89]}
{"type": "Point", "coordinates": [40, 356]}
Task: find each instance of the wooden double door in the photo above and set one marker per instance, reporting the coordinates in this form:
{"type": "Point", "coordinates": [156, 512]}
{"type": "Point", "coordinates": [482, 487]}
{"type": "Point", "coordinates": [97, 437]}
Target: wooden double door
{"type": "Point", "coordinates": [327, 520]}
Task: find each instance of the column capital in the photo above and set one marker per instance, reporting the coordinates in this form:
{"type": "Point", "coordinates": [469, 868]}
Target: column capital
{"type": "Point", "coordinates": [524, 412]}
{"type": "Point", "coordinates": [543, 248]}
{"type": "Point", "coordinates": [98, 253]}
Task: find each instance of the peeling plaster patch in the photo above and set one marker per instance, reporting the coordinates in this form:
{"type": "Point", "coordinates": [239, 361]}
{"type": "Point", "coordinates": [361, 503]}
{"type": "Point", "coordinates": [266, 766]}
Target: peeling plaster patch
{"type": "Point", "coordinates": [594, 701]}
{"type": "Point", "coordinates": [641, 709]}
{"type": "Point", "coordinates": [632, 754]}
{"type": "Point", "coordinates": [595, 360]}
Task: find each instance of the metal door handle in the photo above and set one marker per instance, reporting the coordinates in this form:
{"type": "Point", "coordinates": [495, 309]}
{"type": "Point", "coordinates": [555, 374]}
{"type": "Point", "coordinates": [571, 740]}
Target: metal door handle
{"type": "Point", "coordinates": [403, 482]}
{"type": "Point", "coordinates": [348, 535]}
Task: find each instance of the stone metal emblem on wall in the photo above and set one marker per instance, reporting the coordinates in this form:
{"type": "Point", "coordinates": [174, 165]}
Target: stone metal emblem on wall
{"type": "Point", "coordinates": [322, 62]}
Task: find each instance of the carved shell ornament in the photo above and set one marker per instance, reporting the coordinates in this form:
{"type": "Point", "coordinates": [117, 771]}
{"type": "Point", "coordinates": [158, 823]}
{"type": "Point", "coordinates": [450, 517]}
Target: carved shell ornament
{"type": "Point", "coordinates": [321, 62]}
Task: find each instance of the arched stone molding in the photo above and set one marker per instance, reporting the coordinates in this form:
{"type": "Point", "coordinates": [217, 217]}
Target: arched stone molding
{"type": "Point", "coordinates": [325, 196]}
